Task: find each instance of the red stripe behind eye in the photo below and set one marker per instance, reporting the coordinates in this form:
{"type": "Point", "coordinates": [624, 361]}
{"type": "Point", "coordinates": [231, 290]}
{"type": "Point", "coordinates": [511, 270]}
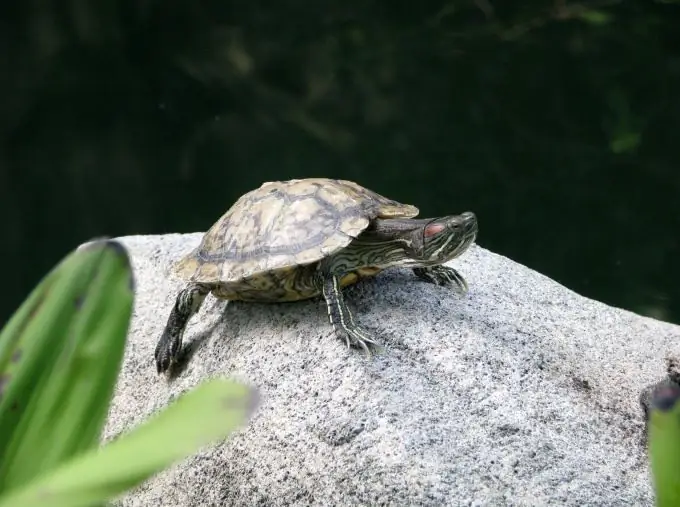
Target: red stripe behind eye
{"type": "Point", "coordinates": [432, 229]}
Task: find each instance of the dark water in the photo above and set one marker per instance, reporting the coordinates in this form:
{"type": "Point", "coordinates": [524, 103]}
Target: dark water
{"type": "Point", "coordinates": [557, 123]}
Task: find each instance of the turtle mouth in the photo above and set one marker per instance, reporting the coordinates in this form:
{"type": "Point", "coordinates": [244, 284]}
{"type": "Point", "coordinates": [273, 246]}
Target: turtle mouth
{"type": "Point", "coordinates": [463, 238]}
{"type": "Point", "coordinates": [464, 243]}
{"type": "Point", "coordinates": [467, 242]}
{"type": "Point", "coordinates": [469, 220]}
{"type": "Point", "coordinates": [469, 232]}
{"type": "Point", "coordinates": [456, 244]}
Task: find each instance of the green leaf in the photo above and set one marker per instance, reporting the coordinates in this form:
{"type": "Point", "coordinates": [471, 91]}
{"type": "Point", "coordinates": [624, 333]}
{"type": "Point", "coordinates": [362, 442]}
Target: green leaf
{"type": "Point", "coordinates": [623, 126]}
{"type": "Point", "coordinates": [207, 414]}
{"type": "Point", "coordinates": [664, 445]}
{"type": "Point", "coordinates": [625, 142]}
{"type": "Point", "coordinates": [595, 17]}
{"type": "Point", "coordinates": [60, 356]}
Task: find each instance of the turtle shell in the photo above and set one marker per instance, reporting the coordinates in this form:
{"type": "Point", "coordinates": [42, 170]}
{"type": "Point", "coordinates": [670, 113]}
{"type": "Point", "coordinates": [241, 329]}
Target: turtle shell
{"type": "Point", "coordinates": [284, 224]}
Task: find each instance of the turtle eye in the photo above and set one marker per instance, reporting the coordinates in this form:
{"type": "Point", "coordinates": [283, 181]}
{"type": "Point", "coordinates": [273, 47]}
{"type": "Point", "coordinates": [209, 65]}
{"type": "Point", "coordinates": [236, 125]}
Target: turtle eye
{"type": "Point", "coordinates": [433, 229]}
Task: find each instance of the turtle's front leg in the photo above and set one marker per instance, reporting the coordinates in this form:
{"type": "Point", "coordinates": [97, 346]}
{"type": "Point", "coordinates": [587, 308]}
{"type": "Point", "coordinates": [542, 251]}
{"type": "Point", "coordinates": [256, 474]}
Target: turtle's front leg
{"type": "Point", "coordinates": [341, 317]}
{"type": "Point", "coordinates": [188, 302]}
{"type": "Point", "coordinates": [442, 275]}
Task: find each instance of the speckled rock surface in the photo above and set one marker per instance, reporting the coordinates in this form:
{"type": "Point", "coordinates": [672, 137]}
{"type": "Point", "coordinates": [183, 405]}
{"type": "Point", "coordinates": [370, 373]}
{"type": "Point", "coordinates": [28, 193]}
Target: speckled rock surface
{"type": "Point", "coordinates": [520, 393]}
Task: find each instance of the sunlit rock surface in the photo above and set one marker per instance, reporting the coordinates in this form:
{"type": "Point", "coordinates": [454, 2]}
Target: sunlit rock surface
{"type": "Point", "coordinates": [520, 393]}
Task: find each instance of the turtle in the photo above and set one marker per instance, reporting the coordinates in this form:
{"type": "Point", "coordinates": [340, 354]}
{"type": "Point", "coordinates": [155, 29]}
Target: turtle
{"type": "Point", "coordinates": [303, 238]}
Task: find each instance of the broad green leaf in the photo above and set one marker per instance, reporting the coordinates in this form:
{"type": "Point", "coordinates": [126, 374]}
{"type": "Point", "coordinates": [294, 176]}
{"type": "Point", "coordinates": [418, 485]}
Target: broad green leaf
{"type": "Point", "coordinates": [664, 445]}
{"type": "Point", "coordinates": [204, 415]}
{"type": "Point", "coordinates": [61, 355]}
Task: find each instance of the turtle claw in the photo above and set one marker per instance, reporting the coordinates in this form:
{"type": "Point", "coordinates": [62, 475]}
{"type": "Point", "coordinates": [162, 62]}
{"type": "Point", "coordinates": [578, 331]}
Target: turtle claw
{"type": "Point", "coordinates": [167, 352]}
{"type": "Point", "coordinates": [356, 337]}
{"type": "Point", "coordinates": [162, 364]}
{"type": "Point", "coordinates": [442, 275]}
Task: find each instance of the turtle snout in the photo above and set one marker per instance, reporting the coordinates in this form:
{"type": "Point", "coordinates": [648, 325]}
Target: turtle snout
{"type": "Point", "coordinates": [469, 221]}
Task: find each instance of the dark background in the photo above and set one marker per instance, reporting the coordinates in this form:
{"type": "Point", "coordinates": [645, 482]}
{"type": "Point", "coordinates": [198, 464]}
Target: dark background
{"type": "Point", "coordinates": [557, 122]}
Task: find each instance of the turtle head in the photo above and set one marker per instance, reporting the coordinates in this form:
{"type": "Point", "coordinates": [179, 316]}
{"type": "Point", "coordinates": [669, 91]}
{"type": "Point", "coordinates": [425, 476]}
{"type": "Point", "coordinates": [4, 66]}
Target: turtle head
{"type": "Point", "coordinates": [445, 238]}
{"type": "Point", "coordinates": [408, 242]}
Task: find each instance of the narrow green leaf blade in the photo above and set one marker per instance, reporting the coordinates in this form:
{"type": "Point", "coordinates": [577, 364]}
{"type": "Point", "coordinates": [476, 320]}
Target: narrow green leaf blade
{"type": "Point", "coordinates": [664, 445]}
{"type": "Point", "coordinates": [204, 415]}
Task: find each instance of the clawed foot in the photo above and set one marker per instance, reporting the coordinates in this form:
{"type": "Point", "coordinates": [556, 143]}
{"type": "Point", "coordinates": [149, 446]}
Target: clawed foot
{"type": "Point", "coordinates": [357, 337]}
{"type": "Point", "coordinates": [167, 352]}
{"type": "Point", "coordinates": [442, 275]}
{"type": "Point", "coordinates": [187, 303]}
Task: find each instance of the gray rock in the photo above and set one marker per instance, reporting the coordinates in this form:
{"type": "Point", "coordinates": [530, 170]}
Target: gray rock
{"type": "Point", "coordinates": [520, 393]}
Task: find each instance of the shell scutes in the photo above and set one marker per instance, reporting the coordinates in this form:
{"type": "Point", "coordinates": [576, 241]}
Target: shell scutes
{"type": "Point", "coordinates": [284, 224]}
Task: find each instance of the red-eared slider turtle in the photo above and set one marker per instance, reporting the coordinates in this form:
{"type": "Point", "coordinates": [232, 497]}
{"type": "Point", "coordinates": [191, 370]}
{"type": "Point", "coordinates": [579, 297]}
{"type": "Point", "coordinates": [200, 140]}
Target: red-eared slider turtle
{"type": "Point", "coordinates": [293, 240]}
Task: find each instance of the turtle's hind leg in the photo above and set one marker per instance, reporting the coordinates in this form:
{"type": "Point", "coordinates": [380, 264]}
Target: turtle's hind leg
{"type": "Point", "coordinates": [341, 317]}
{"type": "Point", "coordinates": [188, 302]}
{"type": "Point", "coordinates": [442, 275]}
